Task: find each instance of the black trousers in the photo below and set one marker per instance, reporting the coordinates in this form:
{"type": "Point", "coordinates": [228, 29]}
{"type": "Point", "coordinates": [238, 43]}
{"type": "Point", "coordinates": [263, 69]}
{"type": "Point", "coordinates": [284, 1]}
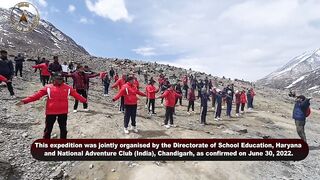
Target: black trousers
{"type": "Point", "coordinates": [218, 111]}
{"type": "Point", "coordinates": [130, 113]}
{"type": "Point", "coordinates": [9, 86]}
{"type": "Point", "coordinates": [19, 68]}
{"type": "Point", "coordinates": [191, 105]}
{"type": "Point", "coordinates": [151, 104]}
{"type": "Point", "coordinates": [147, 101]}
{"type": "Point", "coordinates": [45, 80]}
{"type": "Point", "coordinates": [122, 107]}
{"type": "Point", "coordinates": [180, 100]}
{"type": "Point", "coordinates": [242, 106]}
{"type": "Point", "coordinates": [106, 88]}
{"type": "Point", "coordinates": [237, 108]}
{"type": "Point", "coordinates": [62, 121]}
{"type": "Point", "coordinates": [83, 93]}
{"type": "Point", "coordinates": [169, 115]}
{"type": "Point", "coordinates": [204, 110]}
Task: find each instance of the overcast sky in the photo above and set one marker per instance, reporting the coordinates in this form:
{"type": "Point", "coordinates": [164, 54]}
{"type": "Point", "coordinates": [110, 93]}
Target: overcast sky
{"type": "Point", "coordinates": [234, 38]}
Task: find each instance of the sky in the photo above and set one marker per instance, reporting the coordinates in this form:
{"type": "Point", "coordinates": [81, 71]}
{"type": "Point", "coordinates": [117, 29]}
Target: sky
{"type": "Point", "coordinates": [244, 39]}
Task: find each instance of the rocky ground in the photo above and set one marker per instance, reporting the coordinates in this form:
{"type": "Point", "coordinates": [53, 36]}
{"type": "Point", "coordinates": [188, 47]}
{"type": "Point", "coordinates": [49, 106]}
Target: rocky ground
{"type": "Point", "coordinates": [20, 126]}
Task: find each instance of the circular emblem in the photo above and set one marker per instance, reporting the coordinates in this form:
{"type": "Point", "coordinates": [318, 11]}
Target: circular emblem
{"type": "Point", "coordinates": [24, 17]}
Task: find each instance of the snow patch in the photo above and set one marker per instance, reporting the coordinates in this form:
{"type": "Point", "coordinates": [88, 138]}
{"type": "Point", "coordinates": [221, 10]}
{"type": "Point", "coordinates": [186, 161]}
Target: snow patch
{"type": "Point", "coordinates": [295, 82]}
{"type": "Point", "coordinates": [312, 88]}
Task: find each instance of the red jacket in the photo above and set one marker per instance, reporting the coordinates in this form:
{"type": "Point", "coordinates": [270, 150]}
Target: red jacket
{"type": "Point", "coordinates": [192, 96]}
{"type": "Point", "coordinates": [57, 98]}
{"type": "Point", "coordinates": [81, 81]}
{"type": "Point", "coordinates": [119, 83]}
{"type": "Point", "coordinates": [151, 91]}
{"type": "Point", "coordinates": [136, 83]}
{"type": "Point", "coordinates": [170, 97]}
{"type": "Point", "coordinates": [252, 93]}
{"type": "Point", "coordinates": [238, 98]}
{"type": "Point", "coordinates": [243, 98]}
{"type": "Point", "coordinates": [44, 69]}
{"type": "Point", "coordinates": [102, 75]}
{"type": "Point", "coordinates": [116, 78]}
{"type": "Point", "coordinates": [129, 91]}
{"type": "Point", "coordinates": [161, 81]}
{"type": "Point", "coordinates": [2, 78]}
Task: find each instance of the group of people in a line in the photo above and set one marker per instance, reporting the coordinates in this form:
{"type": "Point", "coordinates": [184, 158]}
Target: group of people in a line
{"type": "Point", "coordinates": [54, 75]}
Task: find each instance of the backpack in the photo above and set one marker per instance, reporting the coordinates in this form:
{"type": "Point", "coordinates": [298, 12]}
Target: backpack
{"type": "Point", "coordinates": [308, 112]}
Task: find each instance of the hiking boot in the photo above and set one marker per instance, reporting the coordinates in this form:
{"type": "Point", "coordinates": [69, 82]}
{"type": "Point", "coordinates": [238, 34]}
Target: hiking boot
{"type": "Point", "coordinates": [134, 128]}
{"type": "Point", "coordinates": [126, 131]}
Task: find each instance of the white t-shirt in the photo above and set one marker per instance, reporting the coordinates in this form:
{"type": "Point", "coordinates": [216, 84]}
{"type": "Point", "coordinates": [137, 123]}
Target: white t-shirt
{"type": "Point", "coordinates": [65, 68]}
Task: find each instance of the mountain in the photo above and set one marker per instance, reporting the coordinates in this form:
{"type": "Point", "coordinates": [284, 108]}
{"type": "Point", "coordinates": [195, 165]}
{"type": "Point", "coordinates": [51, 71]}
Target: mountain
{"type": "Point", "coordinates": [45, 37]}
{"type": "Point", "coordinates": [300, 74]}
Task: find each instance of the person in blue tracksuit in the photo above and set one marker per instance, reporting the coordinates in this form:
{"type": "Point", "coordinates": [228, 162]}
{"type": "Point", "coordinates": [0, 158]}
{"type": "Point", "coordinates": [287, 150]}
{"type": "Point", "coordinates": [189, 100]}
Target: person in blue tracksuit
{"type": "Point", "coordinates": [299, 115]}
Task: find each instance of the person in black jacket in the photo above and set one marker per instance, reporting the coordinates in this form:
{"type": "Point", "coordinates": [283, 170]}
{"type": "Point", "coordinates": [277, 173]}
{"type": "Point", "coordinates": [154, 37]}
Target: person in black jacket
{"type": "Point", "coordinates": [111, 73]}
{"type": "Point", "coordinates": [19, 64]}
{"type": "Point", "coordinates": [55, 67]}
{"type": "Point", "coordinates": [6, 70]}
{"type": "Point", "coordinates": [179, 91]}
{"type": "Point", "coordinates": [205, 97]}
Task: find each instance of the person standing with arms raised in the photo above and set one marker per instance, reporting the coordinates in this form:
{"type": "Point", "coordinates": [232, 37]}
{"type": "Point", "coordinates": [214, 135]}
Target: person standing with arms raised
{"type": "Point", "coordinates": [129, 93]}
{"type": "Point", "coordinates": [57, 104]}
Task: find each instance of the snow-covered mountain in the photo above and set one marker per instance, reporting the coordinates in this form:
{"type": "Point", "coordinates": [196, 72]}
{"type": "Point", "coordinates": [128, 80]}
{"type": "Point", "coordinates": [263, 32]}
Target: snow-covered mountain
{"type": "Point", "coordinates": [300, 74]}
{"type": "Point", "coordinates": [46, 37]}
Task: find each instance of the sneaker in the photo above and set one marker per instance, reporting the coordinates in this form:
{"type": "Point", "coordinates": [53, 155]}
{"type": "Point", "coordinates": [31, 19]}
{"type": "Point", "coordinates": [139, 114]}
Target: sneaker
{"type": "Point", "coordinates": [161, 104]}
{"type": "Point", "coordinates": [134, 128]}
{"type": "Point", "coordinates": [219, 119]}
{"type": "Point", "coordinates": [86, 110]}
{"type": "Point", "coordinates": [237, 115]}
{"type": "Point", "coordinates": [146, 106]}
{"type": "Point", "coordinates": [188, 113]}
{"type": "Point", "coordinates": [216, 119]}
{"type": "Point", "coordinates": [13, 97]}
{"type": "Point", "coordinates": [75, 111]}
{"type": "Point", "coordinates": [213, 108]}
{"type": "Point", "coordinates": [107, 95]}
{"type": "Point", "coordinates": [154, 113]}
{"type": "Point", "coordinates": [172, 125]}
{"type": "Point", "coordinates": [167, 126]}
{"type": "Point", "coordinates": [119, 112]}
{"type": "Point", "coordinates": [202, 124]}
{"type": "Point", "coordinates": [126, 131]}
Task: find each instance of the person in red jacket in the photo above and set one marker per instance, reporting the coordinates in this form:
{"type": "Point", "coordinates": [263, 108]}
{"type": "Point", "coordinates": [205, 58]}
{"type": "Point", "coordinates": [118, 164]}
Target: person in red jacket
{"type": "Point", "coordinates": [57, 104]}
{"type": "Point", "coordinates": [152, 90]}
{"type": "Point", "coordinates": [80, 83]}
{"type": "Point", "coordinates": [129, 91]}
{"type": "Point", "coordinates": [2, 78]}
{"type": "Point", "coordinates": [119, 83]}
{"type": "Point", "coordinates": [238, 102]}
{"type": "Point", "coordinates": [136, 82]}
{"type": "Point", "coordinates": [191, 98]}
{"type": "Point", "coordinates": [170, 101]}
{"type": "Point", "coordinates": [116, 77]}
{"type": "Point", "coordinates": [44, 69]}
{"type": "Point", "coordinates": [243, 100]}
{"type": "Point", "coordinates": [102, 75]}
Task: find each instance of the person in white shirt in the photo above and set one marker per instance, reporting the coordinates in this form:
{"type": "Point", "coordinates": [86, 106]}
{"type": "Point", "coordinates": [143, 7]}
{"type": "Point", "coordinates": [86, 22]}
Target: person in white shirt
{"type": "Point", "coordinates": [65, 69]}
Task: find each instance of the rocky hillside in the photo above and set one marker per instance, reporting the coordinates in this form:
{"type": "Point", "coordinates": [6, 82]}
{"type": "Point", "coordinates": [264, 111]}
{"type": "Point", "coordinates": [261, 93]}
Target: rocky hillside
{"type": "Point", "coordinates": [45, 37]}
{"type": "Point", "coordinates": [300, 74]}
